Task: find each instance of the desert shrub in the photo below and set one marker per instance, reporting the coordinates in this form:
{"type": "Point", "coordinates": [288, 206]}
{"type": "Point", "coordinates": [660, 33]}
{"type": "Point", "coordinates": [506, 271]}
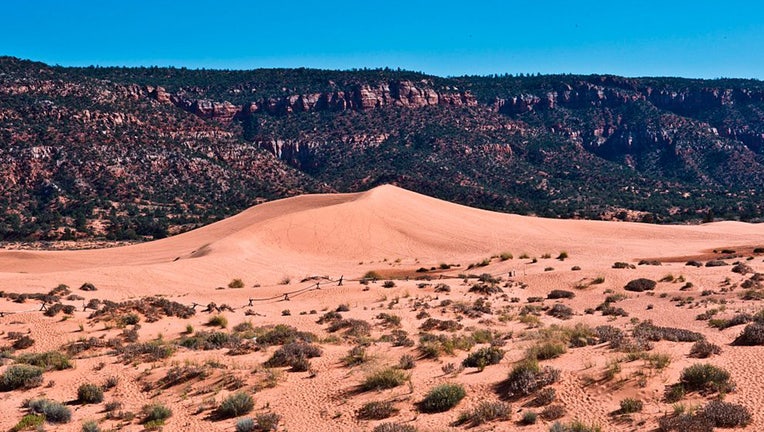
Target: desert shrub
{"type": "Point", "coordinates": [87, 286]}
{"type": "Point", "coordinates": [560, 294]}
{"type": "Point", "coordinates": [209, 340]}
{"type": "Point", "coordinates": [218, 321]}
{"type": "Point", "coordinates": [291, 353]}
{"type": "Point", "coordinates": [357, 355]}
{"type": "Point", "coordinates": [54, 412]}
{"type": "Point", "coordinates": [89, 393]}
{"type": "Point", "coordinates": [685, 422]}
{"type": "Point", "coordinates": [442, 325]}
{"type": "Point", "coordinates": [235, 405]}
{"type": "Point", "coordinates": [371, 274]}
{"type": "Point", "coordinates": [441, 287]}
{"type": "Point", "coordinates": [485, 288]}
{"type": "Point", "coordinates": [485, 412]}
{"type": "Point", "coordinates": [622, 265]}
{"type": "Point", "coordinates": [704, 349]}
{"type": "Point", "coordinates": [90, 426]}
{"type": "Point", "coordinates": [282, 334]}
{"type": "Point", "coordinates": [393, 427]}
{"type": "Point", "coordinates": [526, 378]}
{"type": "Point", "coordinates": [741, 268]}
{"type": "Point", "coordinates": [155, 413]}
{"type": "Point", "coordinates": [726, 415]}
{"type": "Point", "coordinates": [182, 374]}
{"type": "Point", "coordinates": [329, 317]}
{"type": "Point", "coordinates": [49, 360]}
{"type": "Point", "coordinates": [704, 376]}
{"type": "Point", "coordinates": [484, 357]}
{"type": "Point", "coordinates": [376, 411]}
{"type": "Point", "coordinates": [388, 284]}
{"type": "Point", "coordinates": [546, 351]}
{"type": "Point", "coordinates": [29, 422]}
{"type": "Point", "coordinates": [641, 284]}
{"type": "Point", "coordinates": [560, 311]}
{"type": "Point", "coordinates": [739, 319]}
{"type": "Point", "coordinates": [442, 398]}
{"type": "Point", "coordinates": [694, 263]}
{"type": "Point", "coordinates": [646, 330]}
{"type": "Point", "coordinates": [753, 334]}
{"type": "Point", "coordinates": [649, 262]}
{"type": "Point", "coordinates": [236, 283]}
{"type": "Point", "coordinates": [716, 263]}
{"type": "Point", "coordinates": [630, 405]}
{"type": "Point", "coordinates": [245, 424]}
{"type": "Point", "coordinates": [382, 379]}
{"type": "Point", "coordinates": [267, 422]}
{"type": "Point", "coordinates": [544, 397]}
{"type": "Point", "coordinates": [575, 426]}
{"type": "Point", "coordinates": [562, 256]}
{"type": "Point", "coordinates": [553, 412]}
{"type": "Point", "coordinates": [353, 327]}
{"type": "Point", "coordinates": [23, 342]}
{"type": "Point", "coordinates": [528, 418]}
{"type": "Point", "coordinates": [407, 361]}
{"type": "Point", "coordinates": [20, 376]}
{"type": "Point", "coordinates": [389, 319]}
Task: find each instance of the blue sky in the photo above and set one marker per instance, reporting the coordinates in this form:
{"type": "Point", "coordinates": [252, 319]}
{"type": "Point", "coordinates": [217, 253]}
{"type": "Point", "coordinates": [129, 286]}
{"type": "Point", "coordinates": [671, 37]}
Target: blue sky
{"type": "Point", "coordinates": [699, 38]}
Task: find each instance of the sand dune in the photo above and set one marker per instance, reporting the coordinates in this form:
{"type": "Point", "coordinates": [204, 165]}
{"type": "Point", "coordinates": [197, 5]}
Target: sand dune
{"type": "Point", "coordinates": [273, 246]}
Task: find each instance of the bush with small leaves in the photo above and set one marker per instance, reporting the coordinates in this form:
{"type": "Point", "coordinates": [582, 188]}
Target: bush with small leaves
{"type": "Point", "coordinates": [382, 379]}
{"type": "Point", "coordinates": [23, 342]}
{"type": "Point", "coordinates": [388, 284]}
{"type": "Point", "coordinates": [235, 405]}
{"type": "Point", "coordinates": [526, 378]}
{"type": "Point", "coordinates": [20, 376]}
{"type": "Point", "coordinates": [752, 335]}
{"type": "Point", "coordinates": [442, 398]}
{"type": "Point", "coordinates": [704, 349]}
{"type": "Point", "coordinates": [641, 284]}
{"type": "Point", "coordinates": [267, 422]}
{"type": "Point", "coordinates": [560, 311]}
{"type": "Point", "coordinates": [236, 283]}
{"type": "Point", "coordinates": [529, 418]}
{"type": "Point", "coordinates": [245, 424]}
{"type": "Point", "coordinates": [726, 415]}
{"type": "Point", "coordinates": [54, 412]}
{"type": "Point", "coordinates": [484, 357]}
{"type": "Point", "coordinates": [546, 351]}
{"type": "Point", "coordinates": [291, 353]}
{"type": "Point", "coordinates": [90, 426]}
{"type": "Point", "coordinates": [155, 413]}
{"type": "Point", "coordinates": [87, 286]}
{"type": "Point", "coordinates": [544, 397]}
{"type": "Point", "coordinates": [407, 361]}
{"type": "Point", "coordinates": [218, 321]}
{"type": "Point", "coordinates": [356, 356]}
{"type": "Point", "coordinates": [394, 427]}
{"type": "Point", "coordinates": [376, 411]}
{"type": "Point", "coordinates": [685, 422]}
{"type": "Point", "coordinates": [30, 422]}
{"type": "Point", "coordinates": [553, 412]}
{"type": "Point", "coordinates": [630, 405]}
{"type": "Point", "coordinates": [89, 393]}
{"type": "Point", "coordinates": [442, 288]}
{"type": "Point", "coordinates": [560, 294]}
{"type": "Point", "coordinates": [704, 376]}
{"type": "Point", "coordinates": [485, 412]}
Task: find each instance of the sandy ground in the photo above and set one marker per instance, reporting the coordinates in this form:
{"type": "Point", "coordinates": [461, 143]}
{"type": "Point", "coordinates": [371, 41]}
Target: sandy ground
{"type": "Point", "coordinates": [274, 246]}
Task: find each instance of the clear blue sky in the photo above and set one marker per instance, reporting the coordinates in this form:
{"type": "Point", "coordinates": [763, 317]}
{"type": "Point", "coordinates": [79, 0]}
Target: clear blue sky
{"type": "Point", "coordinates": [699, 38]}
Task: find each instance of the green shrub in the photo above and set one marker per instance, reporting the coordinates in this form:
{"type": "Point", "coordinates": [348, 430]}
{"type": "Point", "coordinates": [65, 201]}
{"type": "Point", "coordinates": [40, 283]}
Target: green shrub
{"type": "Point", "coordinates": [357, 355]}
{"type": "Point", "coordinates": [704, 349]}
{"type": "Point", "coordinates": [89, 393]}
{"type": "Point", "coordinates": [384, 379]}
{"type": "Point", "coordinates": [245, 424]}
{"type": "Point", "coordinates": [235, 405]}
{"type": "Point", "coordinates": [29, 422]}
{"type": "Point", "coordinates": [20, 376]}
{"type": "Point", "coordinates": [407, 361]}
{"type": "Point", "coordinates": [50, 360]}
{"type": "Point", "coordinates": [484, 357]}
{"type": "Point", "coordinates": [485, 412]}
{"type": "Point", "coordinates": [529, 418]}
{"type": "Point", "coordinates": [155, 413]}
{"type": "Point", "coordinates": [546, 351]}
{"type": "Point", "coordinates": [394, 427]}
{"type": "Point", "coordinates": [553, 412]}
{"type": "Point", "coordinates": [376, 411]}
{"type": "Point", "coordinates": [54, 412]}
{"type": "Point", "coordinates": [630, 405]}
{"type": "Point", "coordinates": [218, 321]}
{"type": "Point", "coordinates": [90, 426]}
{"type": "Point", "coordinates": [267, 422]}
{"type": "Point", "coordinates": [726, 414]}
{"type": "Point", "coordinates": [442, 398]}
{"type": "Point", "coordinates": [292, 354]}
{"type": "Point", "coordinates": [704, 376]}
{"type": "Point", "coordinates": [752, 335]}
{"type": "Point", "coordinates": [526, 378]}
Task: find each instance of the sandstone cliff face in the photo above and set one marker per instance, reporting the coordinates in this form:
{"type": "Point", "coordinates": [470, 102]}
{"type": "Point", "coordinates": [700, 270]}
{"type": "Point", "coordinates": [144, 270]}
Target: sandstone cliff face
{"type": "Point", "coordinates": [358, 97]}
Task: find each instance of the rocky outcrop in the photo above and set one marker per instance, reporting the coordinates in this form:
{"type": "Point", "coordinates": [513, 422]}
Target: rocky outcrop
{"type": "Point", "coordinates": [358, 97]}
